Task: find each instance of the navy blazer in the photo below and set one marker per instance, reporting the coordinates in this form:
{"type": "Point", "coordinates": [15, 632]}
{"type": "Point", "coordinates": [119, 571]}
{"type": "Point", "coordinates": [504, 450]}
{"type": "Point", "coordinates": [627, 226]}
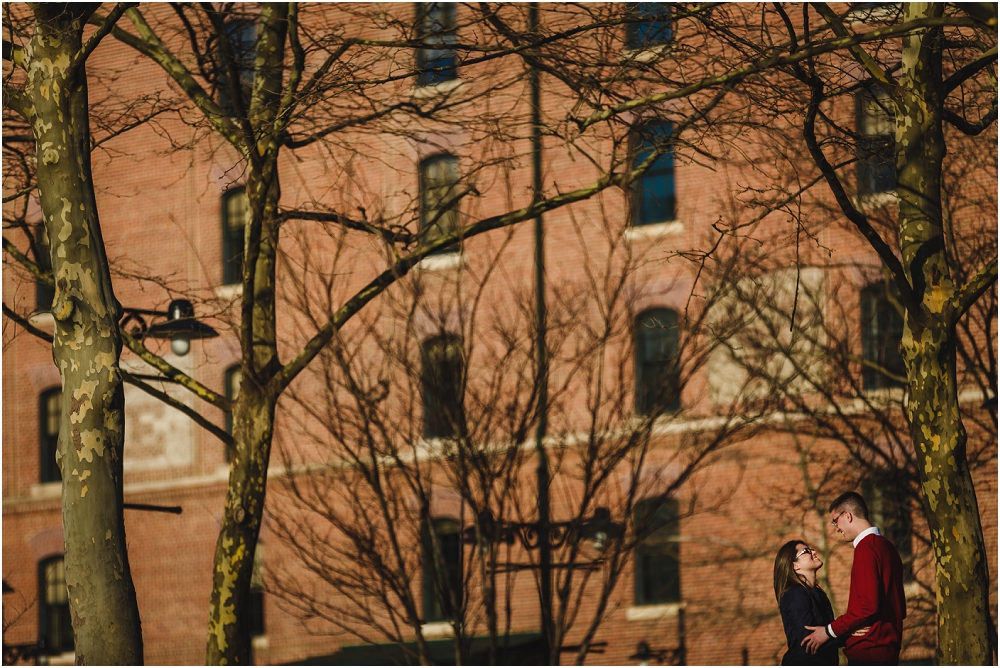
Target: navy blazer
{"type": "Point", "coordinates": [801, 607]}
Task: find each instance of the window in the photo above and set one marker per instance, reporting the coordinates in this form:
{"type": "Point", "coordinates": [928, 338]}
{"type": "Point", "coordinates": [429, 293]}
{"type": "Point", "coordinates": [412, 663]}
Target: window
{"type": "Point", "coordinates": [235, 211]}
{"type": "Point", "coordinates": [55, 628]}
{"type": "Point", "coordinates": [442, 570]}
{"type": "Point", "coordinates": [876, 142]}
{"type": "Point", "coordinates": [436, 27]}
{"type": "Point", "coordinates": [49, 417]}
{"type": "Point", "coordinates": [234, 378]}
{"type": "Point", "coordinates": [242, 36]}
{"type": "Point", "coordinates": [657, 374]}
{"type": "Point", "coordinates": [887, 506]}
{"type": "Point", "coordinates": [657, 552]}
{"type": "Point", "coordinates": [439, 214]}
{"type": "Point", "coordinates": [881, 332]}
{"type": "Point", "coordinates": [653, 198]}
{"type": "Point", "coordinates": [257, 593]}
{"type": "Point", "coordinates": [44, 294]}
{"type": "Point", "coordinates": [442, 387]}
{"type": "Point", "coordinates": [649, 25]}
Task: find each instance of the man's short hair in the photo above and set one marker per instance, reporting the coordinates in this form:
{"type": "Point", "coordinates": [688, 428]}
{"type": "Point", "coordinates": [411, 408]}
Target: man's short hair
{"type": "Point", "coordinates": [851, 502]}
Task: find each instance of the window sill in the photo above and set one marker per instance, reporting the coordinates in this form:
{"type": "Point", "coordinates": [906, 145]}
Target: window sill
{"type": "Point", "coordinates": [42, 320]}
{"type": "Point", "coordinates": [442, 261]}
{"type": "Point", "coordinates": [46, 490]}
{"type": "Point", "coordinates": [642, 613]}
{"type": "Point", "coordinates": [644, 55]}
{"type": "Point", "coordinates": [230, 292]}
{"type": "Point", "coordinates": [260, 643]}
{"type": "Point", "coordinates": [912, 589]}
{"type": "Point", "coordinates": [64, 659]}
{"type": "Point", "coordinates": [874, 201]}
{"type": "Point", "coordinates": [655, 231]}
{"type": "Point", "coordinates": [437, 630]}
{"type": "Point", "coordinates": [433, 90]}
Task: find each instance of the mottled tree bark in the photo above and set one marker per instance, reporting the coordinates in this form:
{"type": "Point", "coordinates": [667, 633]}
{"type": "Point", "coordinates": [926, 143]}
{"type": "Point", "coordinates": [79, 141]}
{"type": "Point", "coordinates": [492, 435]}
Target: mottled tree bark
{"type": "Point", "coordinates": [928, 346]}
{"type": "Point", "coordinates": [86, 344]}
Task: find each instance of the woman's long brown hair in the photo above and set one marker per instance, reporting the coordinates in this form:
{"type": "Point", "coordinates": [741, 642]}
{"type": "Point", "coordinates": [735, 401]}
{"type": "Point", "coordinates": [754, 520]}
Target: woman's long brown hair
{"type": "Point", "coordinates": [785, 576]}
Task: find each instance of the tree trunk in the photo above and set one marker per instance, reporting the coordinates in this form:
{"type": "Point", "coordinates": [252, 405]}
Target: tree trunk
{"type": "Point", "coordinates": [86, 348]}
{"type": "Point", "coordinates": [928, 345]}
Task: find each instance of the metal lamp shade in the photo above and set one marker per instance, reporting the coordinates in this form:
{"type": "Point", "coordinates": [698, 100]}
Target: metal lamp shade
{"type": "Point", "coordinates": [181, 323]}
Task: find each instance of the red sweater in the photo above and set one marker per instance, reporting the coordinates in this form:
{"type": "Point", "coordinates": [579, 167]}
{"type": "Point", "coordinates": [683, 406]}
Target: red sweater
{"type": "Point", "coordinates": [876, 600]}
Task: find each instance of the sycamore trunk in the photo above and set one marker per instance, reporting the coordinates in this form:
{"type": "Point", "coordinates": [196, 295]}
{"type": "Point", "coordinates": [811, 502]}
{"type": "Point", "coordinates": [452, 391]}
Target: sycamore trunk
{"type": "Point", "coordinates": [86, 348]}
{"type": "Point", "coordinates": [936, 426]}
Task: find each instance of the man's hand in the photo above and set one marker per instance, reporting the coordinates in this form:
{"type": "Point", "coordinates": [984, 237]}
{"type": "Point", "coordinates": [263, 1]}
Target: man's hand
{"type": "Point", "coordinates": [815, 639]}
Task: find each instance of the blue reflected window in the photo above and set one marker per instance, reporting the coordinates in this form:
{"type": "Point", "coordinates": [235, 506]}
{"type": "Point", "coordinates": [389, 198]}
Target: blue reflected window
{"type": "Point", "coordinates": [653, 195]}
{"type": "Point", "coordinates": [881, 332]}
{"type": "Point", "coordinates": [436, 27]}
{"type": "Point", "coordinates": [657, 552]}
{"type": "Point", "coordinates": [242, 37]}
{"type": "Point", "coordinates": [649, 25]}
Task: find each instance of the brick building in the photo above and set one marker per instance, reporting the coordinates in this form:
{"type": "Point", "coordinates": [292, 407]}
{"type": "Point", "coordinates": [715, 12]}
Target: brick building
{"type": "Point", "coordinates": [713, 478]}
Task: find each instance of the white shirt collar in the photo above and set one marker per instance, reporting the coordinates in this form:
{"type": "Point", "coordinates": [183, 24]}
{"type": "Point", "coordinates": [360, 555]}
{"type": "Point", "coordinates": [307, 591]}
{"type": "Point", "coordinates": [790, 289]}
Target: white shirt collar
{"type": "Point", "coordinates": [867, 532]}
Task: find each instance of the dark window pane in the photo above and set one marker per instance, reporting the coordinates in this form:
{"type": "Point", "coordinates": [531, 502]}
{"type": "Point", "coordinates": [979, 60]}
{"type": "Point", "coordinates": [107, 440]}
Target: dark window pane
{"type": "Point", "coordinates": [442, 387]}
{"type": "Point", "coordinates": [657, 552]}
{"type": "Point", "coordinates": [653, 194]}
{"type": "Point", "coordinates": [657, 377]}
{"type": "Point", "coordinates": [442, 571]}
{"type": "Point", "coordinates": [436, 26]}
{"type": "Point", "coordinates": [43, 293]}
{"type": "Point", "coordinates": [49, 416]}
{"type": "Point", "coordinates": [887, 497]}
{"type": "Point", "coordinates": [876, 143]}
{"type": "Point", "coordinates": [650, 26]}
{"type": "Point", "coordinates": [235, 208]}
{"type": "Point", "coordinates": [55, 629]}
{"type": "Point", "coordinates": [242, 37]}
{"type": "Point", "coordinates": [257, 594]}
{"type": "Point", "coordinates": [881, 332]}
{"type": "Point", "coordinates": [439, 212]}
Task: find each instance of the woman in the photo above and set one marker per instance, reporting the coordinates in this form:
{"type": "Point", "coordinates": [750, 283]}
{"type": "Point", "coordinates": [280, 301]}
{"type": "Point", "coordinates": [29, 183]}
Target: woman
{"type": "Point", "coordinates": [802, 603]}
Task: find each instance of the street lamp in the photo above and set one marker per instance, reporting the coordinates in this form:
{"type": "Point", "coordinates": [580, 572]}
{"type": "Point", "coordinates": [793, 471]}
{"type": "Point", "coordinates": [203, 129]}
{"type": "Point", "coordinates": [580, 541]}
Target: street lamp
{"type": "Point", "coordinates": [180, 327]}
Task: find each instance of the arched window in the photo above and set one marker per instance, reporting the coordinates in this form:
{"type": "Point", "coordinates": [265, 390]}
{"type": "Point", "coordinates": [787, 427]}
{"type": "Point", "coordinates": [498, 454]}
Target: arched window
{"type": "Point", "coordinates": [441, 380]}
{"type": "Point", "coordinates": [49, 417]}
{"type": "Point", "coordinates": [649, 25]}
{"type": "Point", "coordinates": [657, 369]}
{"type": "Point", "coordinates": [55, 627]}
{"type": "Point", "coordinates": [881, 332]}
{"type": "Point", "coordinates": [876, 127]}
{"type": "Point", "coordinates": [442, 570]}
{"type": "Point", "coordinates": [242, 37]}
{"type": "Point", "coordinates": [439, 212]}
{"type": "Point", "coordinates": [657, 552]}
{"type": "Point", "coordinates": [235, 209]}
{"type": "Point", "coordinates": [653, 194]}
{"type": "Point", "coordinates": [436, 26]}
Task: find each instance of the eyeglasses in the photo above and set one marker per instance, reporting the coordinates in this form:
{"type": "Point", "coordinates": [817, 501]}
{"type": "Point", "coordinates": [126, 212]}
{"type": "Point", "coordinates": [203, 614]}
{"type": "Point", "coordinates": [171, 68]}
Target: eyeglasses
{"type": "Point", "coordinates": [803, 551]}
{"type": "Point", "coordinates": [837, 519]}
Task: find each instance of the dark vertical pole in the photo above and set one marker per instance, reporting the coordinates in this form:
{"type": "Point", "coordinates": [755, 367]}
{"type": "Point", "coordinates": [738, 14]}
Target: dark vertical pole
{"type": "Point", "coordinates": [545, 549]}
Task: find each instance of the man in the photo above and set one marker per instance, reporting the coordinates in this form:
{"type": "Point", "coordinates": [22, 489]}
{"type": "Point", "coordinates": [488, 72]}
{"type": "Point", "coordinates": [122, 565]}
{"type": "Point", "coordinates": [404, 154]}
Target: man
{"type": "Point", "coordinates": [876, 607]}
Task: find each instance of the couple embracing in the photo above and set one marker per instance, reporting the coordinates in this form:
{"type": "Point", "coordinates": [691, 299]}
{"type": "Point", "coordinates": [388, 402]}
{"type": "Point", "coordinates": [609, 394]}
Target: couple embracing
{"type": "Point", "coordinates": [872, 628]}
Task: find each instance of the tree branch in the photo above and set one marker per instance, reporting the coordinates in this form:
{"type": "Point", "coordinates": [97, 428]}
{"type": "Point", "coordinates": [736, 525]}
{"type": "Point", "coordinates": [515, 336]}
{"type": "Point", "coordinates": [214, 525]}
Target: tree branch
{"type": "Point", "coordinates": [102, 31]}
{"type": "Point", "coordinates": [856, 50]}
{"type": "Point", "coordinates": [969, 70]}
{"type": "Point", "coordinates": [197, 417]}
{"type": "Point", "coordinates": [174, 374]}
{"type": "Point", "coordinates": [32, 267]}
{"type": "Point", "coordinates": [23, 322]}
{"type": "Point", "coordinates": [859, 220]}
{"type": "Point", "coordinates": [977, 285]}
{"type": "Point", "coordinates": [971, 129]}
{"type": "Point", "coordinates": [387, 235]}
